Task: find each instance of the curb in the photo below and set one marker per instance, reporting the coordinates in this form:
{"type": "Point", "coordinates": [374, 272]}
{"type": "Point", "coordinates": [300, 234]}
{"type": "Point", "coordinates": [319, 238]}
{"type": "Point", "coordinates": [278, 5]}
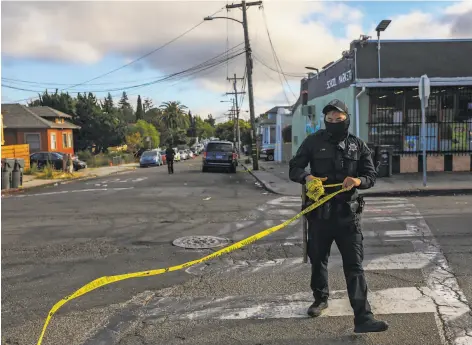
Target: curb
{"type": "Point", "coordinates": [264, 184]}
{"type": "Point", "coordinates": [11, 191]}
{"type": "Point", "coordinates": [419, 192]}
{"type": "Point", "coordinates": [379, 194]}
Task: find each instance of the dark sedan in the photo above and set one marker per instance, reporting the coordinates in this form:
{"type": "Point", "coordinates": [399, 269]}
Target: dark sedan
{"type": "Point", "coordinates": [41, 159]}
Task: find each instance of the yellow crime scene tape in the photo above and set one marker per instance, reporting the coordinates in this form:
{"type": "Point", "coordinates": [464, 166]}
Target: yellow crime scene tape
{"type": "Point", "coordinates": [315, 190]}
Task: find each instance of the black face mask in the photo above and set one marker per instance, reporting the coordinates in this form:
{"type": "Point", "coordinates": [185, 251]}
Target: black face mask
{"type": "Point", "coordinates": [338, 130]}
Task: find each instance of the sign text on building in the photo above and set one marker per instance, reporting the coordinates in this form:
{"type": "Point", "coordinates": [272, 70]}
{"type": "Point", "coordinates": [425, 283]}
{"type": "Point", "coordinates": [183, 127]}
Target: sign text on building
{"type": "Point", "coordinates": [341, 79]}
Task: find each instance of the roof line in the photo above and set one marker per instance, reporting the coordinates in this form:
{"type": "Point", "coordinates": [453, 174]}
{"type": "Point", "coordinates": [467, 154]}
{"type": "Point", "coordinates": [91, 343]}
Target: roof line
{"type": "Point", "coordinates": [48, 123]}
{"type": "Point", "coordinates": [426, 40]}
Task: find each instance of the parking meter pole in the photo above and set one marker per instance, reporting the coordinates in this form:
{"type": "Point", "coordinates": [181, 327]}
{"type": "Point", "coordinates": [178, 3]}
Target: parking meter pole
{"type": "Point", "coordinates": [424, 90]}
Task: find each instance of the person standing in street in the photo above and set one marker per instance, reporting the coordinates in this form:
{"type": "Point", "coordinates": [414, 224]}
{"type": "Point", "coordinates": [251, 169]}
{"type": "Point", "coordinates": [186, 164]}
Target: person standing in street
{"type": "Point", "coordinates": [336, 156]}
{"type": "Point", "coordinates": [170, 159]}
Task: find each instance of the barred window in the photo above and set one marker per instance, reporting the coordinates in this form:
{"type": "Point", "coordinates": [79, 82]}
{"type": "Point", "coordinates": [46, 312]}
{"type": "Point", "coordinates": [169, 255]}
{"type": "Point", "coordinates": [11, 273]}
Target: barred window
{"type": "Point", "coordinates": [395, 119]}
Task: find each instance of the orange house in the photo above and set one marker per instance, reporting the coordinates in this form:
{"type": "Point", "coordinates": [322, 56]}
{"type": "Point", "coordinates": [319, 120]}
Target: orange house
{"type": "Point", "coordinates": [43, 128]}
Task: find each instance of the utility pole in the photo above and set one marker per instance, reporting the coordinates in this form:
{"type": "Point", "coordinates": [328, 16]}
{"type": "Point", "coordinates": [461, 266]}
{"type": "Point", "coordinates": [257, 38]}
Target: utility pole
{"type": "Point", "coordinates": [243, 5]}
{"type": "Point", "coordinates": [236, 123]}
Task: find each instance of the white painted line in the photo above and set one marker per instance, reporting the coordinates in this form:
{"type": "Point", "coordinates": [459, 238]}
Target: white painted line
{"type": "Point", "coordinates": [123, 188]}
{"type": "Point", "coordinates": [403, 261]}
{"type": "Point", "coordinates": [389, 219]}
{"type": "Point", "coordinates": [442, 286]}
{"type": "Point", "coordinates": [406, 300]}
{"type": "Point", "coordinates": [401, 233]}
{"type": "Point", "coordinates": [88, 190]}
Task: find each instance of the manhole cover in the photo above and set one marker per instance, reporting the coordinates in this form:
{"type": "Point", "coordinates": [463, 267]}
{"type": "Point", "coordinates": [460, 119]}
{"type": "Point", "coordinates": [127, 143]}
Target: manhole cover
{"type": "Point", "coordinates": [200, 242]}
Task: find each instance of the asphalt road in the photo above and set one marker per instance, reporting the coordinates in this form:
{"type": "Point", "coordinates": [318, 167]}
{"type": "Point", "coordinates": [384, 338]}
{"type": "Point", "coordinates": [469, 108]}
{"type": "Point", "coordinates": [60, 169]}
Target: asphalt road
{"type": "Point", "coordinates": [57, 239]}
{"type": "Point", "coordinates": [417, 252]}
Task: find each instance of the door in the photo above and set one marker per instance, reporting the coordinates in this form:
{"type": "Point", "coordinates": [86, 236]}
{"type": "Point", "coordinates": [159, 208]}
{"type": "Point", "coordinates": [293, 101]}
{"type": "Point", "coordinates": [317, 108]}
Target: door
{"type": "Point", "coordinates": [34, 141]}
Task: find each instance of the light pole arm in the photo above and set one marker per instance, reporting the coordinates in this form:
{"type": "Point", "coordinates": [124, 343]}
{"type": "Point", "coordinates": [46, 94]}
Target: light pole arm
{"type": "Point", "coordinates": [235, 20]}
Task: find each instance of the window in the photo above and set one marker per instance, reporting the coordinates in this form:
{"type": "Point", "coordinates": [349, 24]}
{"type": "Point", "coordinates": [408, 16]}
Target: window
{"type": "Point", "coordinates": [395, 119]}
{"type": "Point", "coordinates": [53, 141]}
{"type": "Point", "coordinates": [66, 140]}
{"type": "Point", "coordinates": [34, 141]}
{"type": "Point", "coordinates": [219, 147]}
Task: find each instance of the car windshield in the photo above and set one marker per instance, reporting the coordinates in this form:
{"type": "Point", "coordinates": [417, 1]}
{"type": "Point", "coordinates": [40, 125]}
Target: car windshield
{"type": "Point", "coordinates": [219, 147]}
{"type": "Point", "coordinates": [149, 154]}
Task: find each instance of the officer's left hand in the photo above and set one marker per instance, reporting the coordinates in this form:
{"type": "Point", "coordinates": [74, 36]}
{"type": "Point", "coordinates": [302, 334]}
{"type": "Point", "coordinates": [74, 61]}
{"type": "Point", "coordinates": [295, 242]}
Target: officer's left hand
{"type": "Point", "coordinates": [351, 182]}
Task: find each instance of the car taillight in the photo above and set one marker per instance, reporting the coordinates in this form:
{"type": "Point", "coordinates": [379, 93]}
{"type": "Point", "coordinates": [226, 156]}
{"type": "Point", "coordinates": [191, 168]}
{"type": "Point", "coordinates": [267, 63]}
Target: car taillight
{"type": "Point", "coordinates": [204, 155]}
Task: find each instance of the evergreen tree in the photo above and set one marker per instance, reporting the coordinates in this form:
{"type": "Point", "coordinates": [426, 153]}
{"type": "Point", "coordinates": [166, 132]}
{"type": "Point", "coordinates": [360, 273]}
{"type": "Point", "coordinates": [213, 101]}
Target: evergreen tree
{"type": "Point", "coordinates": [139, 109]}
{"type": "Point", "coordinates": [108, 105]}
{"type": "Point", "coordinates": [124, 102]}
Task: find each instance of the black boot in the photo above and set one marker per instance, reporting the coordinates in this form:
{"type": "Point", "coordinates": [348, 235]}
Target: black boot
{"type": "Point", "coordinates": [317, 308]}
{"type": "Point", "coordinates": [370, 325]}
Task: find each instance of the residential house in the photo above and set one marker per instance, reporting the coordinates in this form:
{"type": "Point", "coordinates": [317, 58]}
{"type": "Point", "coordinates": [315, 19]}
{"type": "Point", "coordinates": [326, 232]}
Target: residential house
{"type": "Point", "coordinates": [269, 129]}
{"type": "Point", "coordinates": [43, 128]}
{"type": "Point", "coordinates": [381, 92]}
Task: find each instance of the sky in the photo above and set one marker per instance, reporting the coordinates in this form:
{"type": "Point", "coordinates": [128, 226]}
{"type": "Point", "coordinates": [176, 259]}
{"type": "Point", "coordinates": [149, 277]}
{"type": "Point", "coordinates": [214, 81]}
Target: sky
{"type": "Point", "coordinates": [60, 44]}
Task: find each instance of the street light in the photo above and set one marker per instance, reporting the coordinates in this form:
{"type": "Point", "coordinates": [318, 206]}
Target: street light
{"type": "Point", "coordinates": [235, 20]}
{"type": "Point", "coordinates": [381, 27]}
{"type": "Point", "coordinates": [314, 69]}
{"type": "Point", "coordinates": [249, 65]}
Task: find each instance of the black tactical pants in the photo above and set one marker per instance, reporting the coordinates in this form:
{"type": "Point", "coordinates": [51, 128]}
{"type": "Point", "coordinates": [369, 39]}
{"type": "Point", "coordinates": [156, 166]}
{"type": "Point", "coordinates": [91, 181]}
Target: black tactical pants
{"type": "Point", "coordinates": [345, 230]}
{"type": "Point", "coordinates": [170, 166]}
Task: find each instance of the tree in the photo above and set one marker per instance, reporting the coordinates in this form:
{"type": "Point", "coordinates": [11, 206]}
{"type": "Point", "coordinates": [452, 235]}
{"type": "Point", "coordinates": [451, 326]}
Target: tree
{"type": "Point", "coordinates": [145, 130]}
{"type": "Point", "coordinates": [134, 141]}
{"type": "Point", "coordinates": [124, 102]}
{"type": "Point", "coordinates": [173, 115]}
{"type": "Point", "coordinates": [203, 129]}
{"type": "Point", "coordinates": [147, 105]}
{"type": "Point", "coordinates": [108, 105]}
{"type": "Point", "coordinates": [139, 109]}
{"type": "Point", "coordinates": [210, 120]}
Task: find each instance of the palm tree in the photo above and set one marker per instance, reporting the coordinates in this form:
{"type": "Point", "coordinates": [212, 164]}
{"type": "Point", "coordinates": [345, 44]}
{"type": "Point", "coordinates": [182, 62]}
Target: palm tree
{"type": "Point", "coordinates": [173, 115]}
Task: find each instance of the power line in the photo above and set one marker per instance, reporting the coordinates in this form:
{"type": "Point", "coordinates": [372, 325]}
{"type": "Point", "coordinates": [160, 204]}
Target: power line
{"type": "Point", "coordinates": [288, 74]}
{"type": "Point", "coordinates": [208, 64]}
{"type": "Point", "coordinates": [276, 59]}
{"type": "Point", "coordinates": [143, 56]}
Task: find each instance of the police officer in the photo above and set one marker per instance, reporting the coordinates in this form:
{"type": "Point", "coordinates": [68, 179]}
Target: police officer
{"type": "Point", "coordinates": [170, 159]}
{"type": "Point", "coordinates": [336, 156]}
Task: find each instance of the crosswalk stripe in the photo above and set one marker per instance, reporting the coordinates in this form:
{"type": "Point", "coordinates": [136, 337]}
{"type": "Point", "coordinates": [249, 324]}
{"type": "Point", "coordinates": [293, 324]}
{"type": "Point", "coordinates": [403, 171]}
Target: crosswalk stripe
{"type": "Point", "coordinates": [406, 300]}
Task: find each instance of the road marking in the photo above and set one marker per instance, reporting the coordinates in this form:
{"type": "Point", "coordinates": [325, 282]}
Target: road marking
{"type": "Point", "coordinates": [72, 191]}
{"type": "Point", "coordinates": [405, 300]}
{"type": "Point", "coordinates": [403, 261]}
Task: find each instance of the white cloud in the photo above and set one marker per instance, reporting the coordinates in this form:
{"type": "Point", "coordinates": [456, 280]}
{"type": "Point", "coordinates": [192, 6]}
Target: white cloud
{"type": "Point", "coordinates": [86, 32]}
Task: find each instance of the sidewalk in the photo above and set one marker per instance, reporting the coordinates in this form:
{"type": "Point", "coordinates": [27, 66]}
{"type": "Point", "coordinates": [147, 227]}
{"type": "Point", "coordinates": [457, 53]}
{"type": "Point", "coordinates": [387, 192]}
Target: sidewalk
{"type": "Point", "coordinates": [30, 181]}
{"type": "Point", "coordinates": [274, 177]}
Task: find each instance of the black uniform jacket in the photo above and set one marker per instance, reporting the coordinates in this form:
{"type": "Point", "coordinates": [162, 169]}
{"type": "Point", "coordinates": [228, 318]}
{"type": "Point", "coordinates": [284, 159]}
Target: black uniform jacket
{"type": "Point", "coordinates": [336, 161]}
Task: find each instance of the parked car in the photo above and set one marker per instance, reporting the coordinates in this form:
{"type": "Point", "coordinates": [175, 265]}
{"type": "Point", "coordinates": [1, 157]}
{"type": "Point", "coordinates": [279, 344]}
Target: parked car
{"type": "Point", "coordinates": [219, 154]}
{"type": "Point", "coordinates": [150, 158]}
{"type": "Point", "coordinates": [183, 155]}
{"type": "Point", "coordinates": [55, 159]}
{"type": "Point", "coordinates": [78, 164]}
{"type": "Point", "coordinates": [267, 154]}
{"type": "Point", "coordinates": [177, 155]}
{"type": "Point", "coordinates": [163, 157]}
{"type": "Point", "coordinates": [189, 153]}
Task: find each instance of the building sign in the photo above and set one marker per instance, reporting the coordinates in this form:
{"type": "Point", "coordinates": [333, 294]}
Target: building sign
{"type": "Point", "coordinates": [339, 80]}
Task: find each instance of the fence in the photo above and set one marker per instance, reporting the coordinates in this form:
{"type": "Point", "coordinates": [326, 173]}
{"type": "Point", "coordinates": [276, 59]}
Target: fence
{"type": "Point", "coordinates": [17, 151]}
{"type": "Point", "coordinates": [395, 119]}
